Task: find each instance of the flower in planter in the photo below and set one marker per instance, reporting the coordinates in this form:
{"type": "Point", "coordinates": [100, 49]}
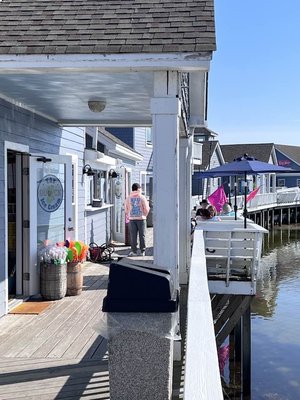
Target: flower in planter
{"type": "Point", "coordinates": [76, 250]}
{"type": "Point", "coordinates": [53, 254]}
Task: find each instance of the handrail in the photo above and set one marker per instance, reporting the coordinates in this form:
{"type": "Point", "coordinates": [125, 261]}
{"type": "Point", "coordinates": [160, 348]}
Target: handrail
{"type": "Point", "coordinates": [202, 376]}
{"type": "Point", "coordinates": [285, 196]}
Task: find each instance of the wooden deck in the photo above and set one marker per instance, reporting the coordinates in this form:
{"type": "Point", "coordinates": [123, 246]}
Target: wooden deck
{"type": "Point", "coordinates": [57, 354]}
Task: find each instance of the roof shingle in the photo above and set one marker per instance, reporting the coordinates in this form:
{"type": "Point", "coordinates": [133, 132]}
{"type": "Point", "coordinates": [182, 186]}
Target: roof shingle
{"type": "Point", "coordinates": [106, 26]}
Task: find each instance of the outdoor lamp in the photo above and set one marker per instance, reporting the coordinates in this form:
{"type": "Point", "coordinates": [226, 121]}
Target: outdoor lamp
{"type": "Point", "coordinates": [112, 174]}
{"type": "Point", "coordinates": [87, 169]}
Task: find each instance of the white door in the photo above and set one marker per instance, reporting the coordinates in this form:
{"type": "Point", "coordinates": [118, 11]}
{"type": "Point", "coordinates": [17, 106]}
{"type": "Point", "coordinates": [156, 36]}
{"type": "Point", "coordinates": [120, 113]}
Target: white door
{"type": "Point", "coordinates": [50, 208]}
{"type": "Point", "coordinates": [120, 191]}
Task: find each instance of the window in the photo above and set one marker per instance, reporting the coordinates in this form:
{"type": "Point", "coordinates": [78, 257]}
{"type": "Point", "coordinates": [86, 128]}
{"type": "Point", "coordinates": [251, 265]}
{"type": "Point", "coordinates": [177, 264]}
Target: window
{"type": "Point", "coordinates": [146, 184]}
{"type": "Point", "coordinates": [100, 185]}
{"type": "Point", "coordinates": [97, 188]}
{"type": "Point", "coordinates": [148, 132]}
{"type": "Point", "coordinates": [281, 182]}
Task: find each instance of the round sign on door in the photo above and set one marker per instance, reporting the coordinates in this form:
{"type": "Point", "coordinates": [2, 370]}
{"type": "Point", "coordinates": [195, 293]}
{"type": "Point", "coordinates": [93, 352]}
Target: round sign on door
{"type": "Point", "coordinates": [50, 193]}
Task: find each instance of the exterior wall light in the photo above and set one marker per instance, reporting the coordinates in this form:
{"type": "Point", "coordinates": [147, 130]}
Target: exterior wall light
{"type": "Point", "coordinates": [87, 169]}
{"type": "Point", "coordinates": [112, 174]}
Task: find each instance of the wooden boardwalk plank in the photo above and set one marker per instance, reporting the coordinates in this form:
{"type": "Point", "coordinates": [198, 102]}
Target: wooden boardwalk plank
{"type": "Point", "coordinates": [58, 355]}
{"type": "Point", "coordinates": [52, 355]}
{"type": "Point", "coordinates": [67, 382]}
{"type": "Point", "coordinates": [25, 343]}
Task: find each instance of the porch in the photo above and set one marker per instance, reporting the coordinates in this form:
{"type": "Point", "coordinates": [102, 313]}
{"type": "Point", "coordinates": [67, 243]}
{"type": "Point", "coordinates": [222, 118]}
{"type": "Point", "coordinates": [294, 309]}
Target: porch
{"type": "Point", "coordinates": [58, 354]}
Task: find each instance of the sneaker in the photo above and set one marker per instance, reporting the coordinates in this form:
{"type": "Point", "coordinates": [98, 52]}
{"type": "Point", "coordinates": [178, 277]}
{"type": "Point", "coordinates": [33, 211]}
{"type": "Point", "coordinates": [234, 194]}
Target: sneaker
{"type": "Point", "coordinates": [132, 254]}
{"type": "Point", "coordinates": [143, 253]}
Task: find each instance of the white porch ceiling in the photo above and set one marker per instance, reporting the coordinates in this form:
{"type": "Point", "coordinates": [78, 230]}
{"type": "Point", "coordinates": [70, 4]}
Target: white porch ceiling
{"type": "Point", "coordinates": [63, 96]}
{"type": "Point", "coordinates": [60, 86]}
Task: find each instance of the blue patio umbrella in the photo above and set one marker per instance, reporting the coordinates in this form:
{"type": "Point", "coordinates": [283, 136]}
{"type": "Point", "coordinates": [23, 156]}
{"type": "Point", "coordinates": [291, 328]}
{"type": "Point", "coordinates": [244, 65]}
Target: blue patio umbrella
{"type": "Point", "coordinates": [244, 165]}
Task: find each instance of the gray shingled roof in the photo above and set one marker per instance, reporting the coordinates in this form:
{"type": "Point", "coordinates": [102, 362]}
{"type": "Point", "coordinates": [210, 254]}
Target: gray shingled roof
{"type": "Point", "coordinates": [261, 151]}
{"type": "Point", "coordinates": [292, 152]}
{"type": "Point", "coordinates": [208, 148]}
{"type": "Point", "coordinates": [106, 26]}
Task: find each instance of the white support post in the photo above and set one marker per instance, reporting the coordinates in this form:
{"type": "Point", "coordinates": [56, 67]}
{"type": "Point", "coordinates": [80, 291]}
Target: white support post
{"type": "Point", "coordinates": [153, 378]}
{"type": "Point", "coordinates": [165, 109]}
{"type": "Point", "coordinates": [197, 94]}
{"type": "Point", "coordinates": [185, 184]}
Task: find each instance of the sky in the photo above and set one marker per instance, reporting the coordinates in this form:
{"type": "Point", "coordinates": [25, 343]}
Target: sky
{"type": "Point", "coordinates": [254, 78]}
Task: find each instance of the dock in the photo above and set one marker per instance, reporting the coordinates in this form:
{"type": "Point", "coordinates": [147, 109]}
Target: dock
{"type": "Point", "coordinates": [60, 354]}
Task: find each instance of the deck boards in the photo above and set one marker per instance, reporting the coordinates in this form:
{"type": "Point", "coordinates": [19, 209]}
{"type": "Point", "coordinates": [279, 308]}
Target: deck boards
{"type": "Point", "coordinates": [57, 354]}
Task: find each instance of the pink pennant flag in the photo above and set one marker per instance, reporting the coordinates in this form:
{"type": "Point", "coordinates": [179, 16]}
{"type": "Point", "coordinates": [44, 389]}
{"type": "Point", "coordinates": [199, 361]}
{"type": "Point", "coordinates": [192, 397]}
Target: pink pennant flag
{"type": "Point", "coordinates": [218, 198]}
{"type": "Point", "coordinates": [252, 194]}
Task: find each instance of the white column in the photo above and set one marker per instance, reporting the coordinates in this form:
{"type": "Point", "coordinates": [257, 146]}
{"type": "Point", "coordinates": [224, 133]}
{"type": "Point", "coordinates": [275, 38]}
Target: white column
{"type": "Point", "coordinates": [185, 195]}
{"type": "Point", "coordinates": [197, 96]}
{"type": "Point", "coordinates": [165, 109]}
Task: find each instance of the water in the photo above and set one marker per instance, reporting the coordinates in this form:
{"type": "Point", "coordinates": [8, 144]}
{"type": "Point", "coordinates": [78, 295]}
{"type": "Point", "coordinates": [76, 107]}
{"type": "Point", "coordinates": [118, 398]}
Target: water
{"type": "Point", "coordinates": [275, 319]}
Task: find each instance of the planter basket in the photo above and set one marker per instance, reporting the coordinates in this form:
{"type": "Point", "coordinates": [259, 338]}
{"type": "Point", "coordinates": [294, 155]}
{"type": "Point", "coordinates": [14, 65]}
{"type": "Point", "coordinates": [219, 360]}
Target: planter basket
{"type": "Point", "coordinates": [74, 279]}
{"type": "Point", "coordinates": [53, 281]}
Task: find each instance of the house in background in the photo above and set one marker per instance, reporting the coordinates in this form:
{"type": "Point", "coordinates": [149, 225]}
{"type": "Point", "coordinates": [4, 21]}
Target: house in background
{"type": "Point", "coordinates": [140, 139]}
{"type": "Point", "coordinates": [215, 154]}
{"type": "Point", "coordinates": [289, 157]}
{"type": "Point", "coordinates": [264, 152]}
{"type": "Point", "coordinates": [211, 157]}
{"type": "Point", "coordinates": [109, 166]}
{"type": "Point", "coordinates": [277, 154]}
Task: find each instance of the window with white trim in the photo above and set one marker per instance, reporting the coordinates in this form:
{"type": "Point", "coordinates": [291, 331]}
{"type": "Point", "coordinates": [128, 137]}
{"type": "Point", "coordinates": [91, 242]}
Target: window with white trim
{"type": "Point", "coordinates": [97, 188]}
{"type": "Point", "coordinates": [146, 182]}
{"type": "Point", "coordinates": [148, 135]}
{"type": "Point", "coordinates": [100, 185]}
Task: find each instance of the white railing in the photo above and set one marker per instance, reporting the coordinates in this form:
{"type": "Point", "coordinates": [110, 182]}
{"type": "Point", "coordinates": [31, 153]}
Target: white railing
{"type": "Point", "coordinates": [232, 252]}
{"type": "Point", "coordinates": [202, 376]}
{"type": "Point", "coordinates": [261, 200]}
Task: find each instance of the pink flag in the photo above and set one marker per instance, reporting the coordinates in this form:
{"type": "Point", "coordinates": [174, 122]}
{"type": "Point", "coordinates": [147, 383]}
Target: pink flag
{"type": "Point", "coordinates": [218, 198]}
{"type": "Point", "coordinates": [252, 194]}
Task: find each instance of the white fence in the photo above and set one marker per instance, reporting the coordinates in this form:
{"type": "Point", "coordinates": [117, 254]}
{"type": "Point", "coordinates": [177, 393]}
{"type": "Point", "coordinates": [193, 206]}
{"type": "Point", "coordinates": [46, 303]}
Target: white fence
{"type": "Point", "coordinates": [264, 200]}
{"type": "Point", "coordinates": [202, 375]}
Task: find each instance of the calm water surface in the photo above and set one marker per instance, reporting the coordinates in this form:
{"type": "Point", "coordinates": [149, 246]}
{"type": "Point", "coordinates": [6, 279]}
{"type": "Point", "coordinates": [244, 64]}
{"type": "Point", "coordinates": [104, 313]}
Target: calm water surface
{"type": "Point", "coordinates": [276, 319]}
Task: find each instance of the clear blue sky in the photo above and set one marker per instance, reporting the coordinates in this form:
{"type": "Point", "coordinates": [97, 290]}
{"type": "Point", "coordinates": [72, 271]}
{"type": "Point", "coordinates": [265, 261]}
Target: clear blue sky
{"type": "Point", "coordinates": [254, 79]}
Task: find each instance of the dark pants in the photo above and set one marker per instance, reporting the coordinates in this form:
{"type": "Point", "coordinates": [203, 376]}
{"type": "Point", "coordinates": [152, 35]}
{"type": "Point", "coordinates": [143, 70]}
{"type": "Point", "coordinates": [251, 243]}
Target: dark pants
{"type": "Point", "coordinates": [137, 226]}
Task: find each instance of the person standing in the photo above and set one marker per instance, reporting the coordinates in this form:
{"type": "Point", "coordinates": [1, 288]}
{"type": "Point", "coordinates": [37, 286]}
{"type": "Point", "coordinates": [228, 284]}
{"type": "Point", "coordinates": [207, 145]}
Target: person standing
{"type": "Point", "coordinates": [136, 211]}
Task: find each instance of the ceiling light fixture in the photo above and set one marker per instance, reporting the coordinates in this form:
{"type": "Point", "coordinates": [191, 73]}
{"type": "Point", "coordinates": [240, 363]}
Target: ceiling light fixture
{"type": "Point", "coordinates": [97, 105]}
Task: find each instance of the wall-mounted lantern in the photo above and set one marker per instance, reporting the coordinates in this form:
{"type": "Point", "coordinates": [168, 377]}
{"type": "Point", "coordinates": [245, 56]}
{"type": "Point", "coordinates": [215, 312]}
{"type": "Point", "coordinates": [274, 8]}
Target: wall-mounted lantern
{"type": "Point", "coordinates": [112, 174]}
{"type": "Point", "coordinates": [87, 169]}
